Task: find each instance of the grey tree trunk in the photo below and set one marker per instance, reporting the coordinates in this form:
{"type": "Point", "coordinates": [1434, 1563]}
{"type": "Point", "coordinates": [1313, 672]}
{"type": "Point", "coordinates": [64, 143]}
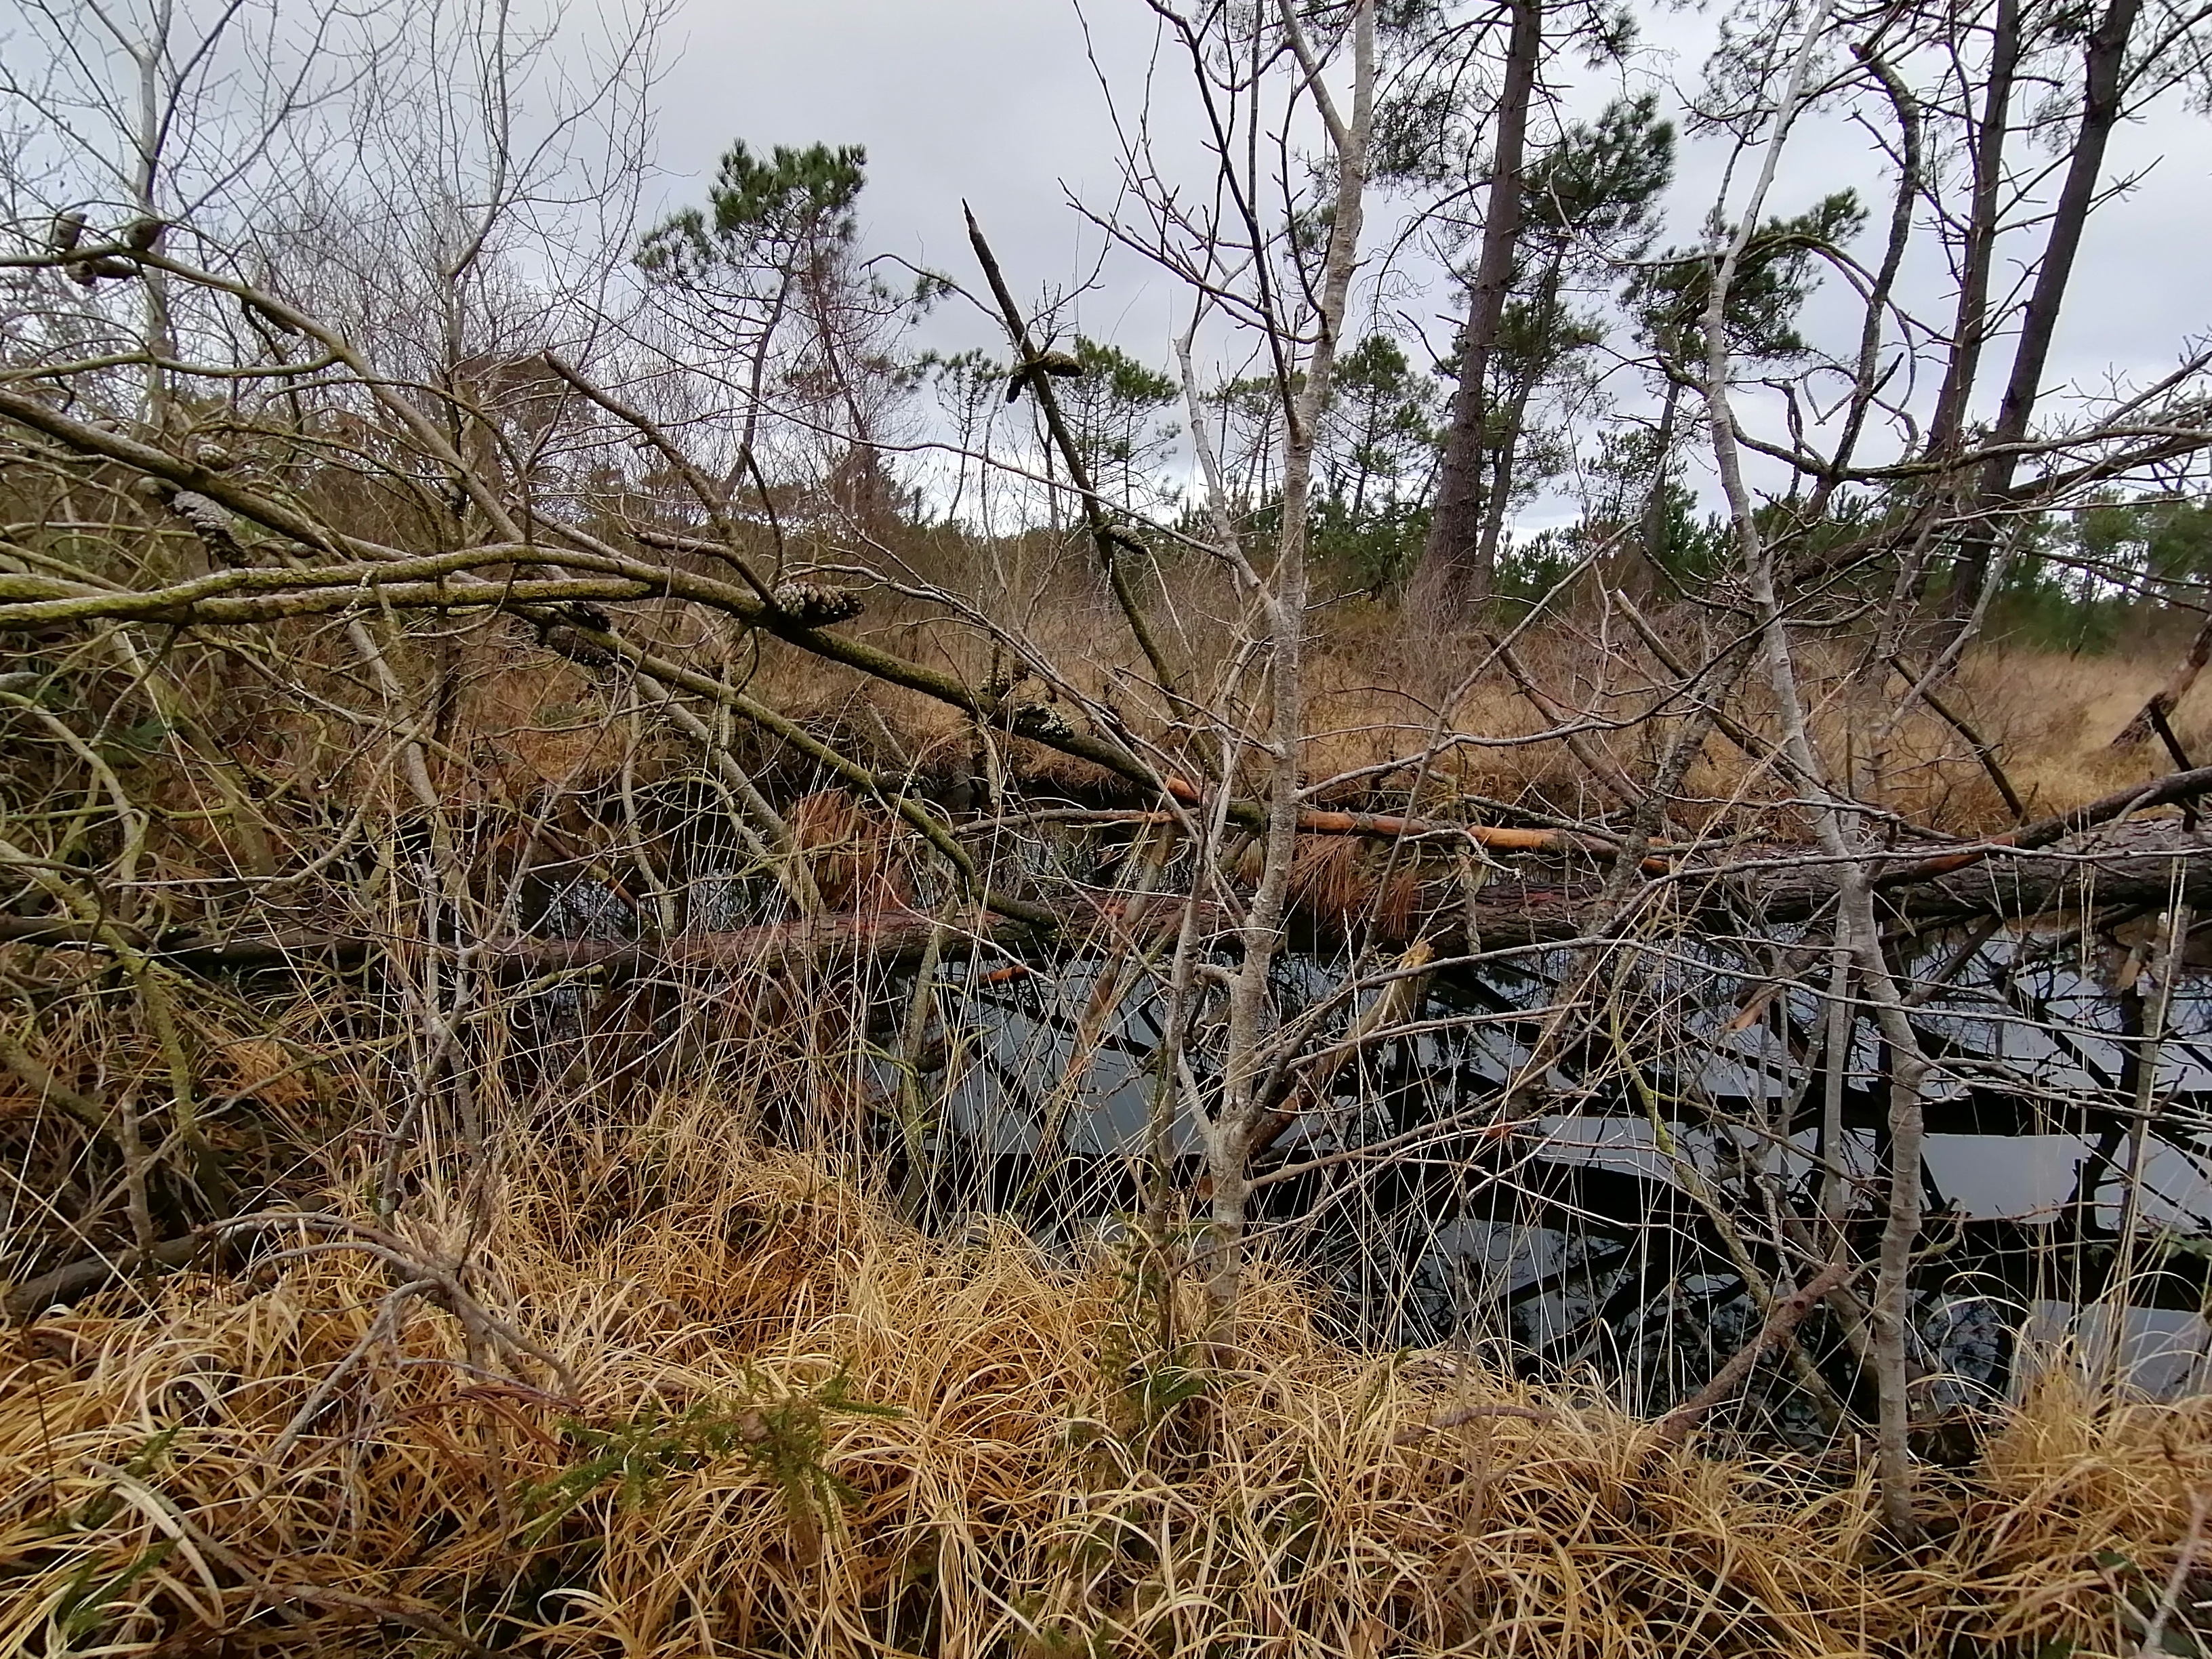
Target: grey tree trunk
{"type": "Point", "coordinates": [2100, 113]}
{"type": "Point", "coordinates": [1452, 579]}
{"type": "Point", "coordinates": [1971, 325]}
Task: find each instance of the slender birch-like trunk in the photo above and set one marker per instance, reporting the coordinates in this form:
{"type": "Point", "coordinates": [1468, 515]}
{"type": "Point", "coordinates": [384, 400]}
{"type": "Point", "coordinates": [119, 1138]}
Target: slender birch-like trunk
{"type": "Point", "coordinates": [1251, 1061]}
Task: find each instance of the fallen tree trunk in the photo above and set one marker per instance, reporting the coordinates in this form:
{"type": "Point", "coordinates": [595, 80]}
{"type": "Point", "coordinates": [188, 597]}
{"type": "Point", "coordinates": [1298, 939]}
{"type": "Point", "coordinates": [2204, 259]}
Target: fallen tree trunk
{"type": "Point", "coordinates": [2162, 705]}
{"type": "Point", "coordinates": [885, 937]}
{"type": "Point", "coordinates": [2058, 871]}
{"type": "Point", "coordinates": [2034, 873]}
{"type": "Point", "coordinates": [34, 1295]}
{"type": "Point", "coordinates": [198, 952]}
{"type": "Point", "coordinates": [2132, 867]}
{"type": "Point", "coordinates": [2171, 790]}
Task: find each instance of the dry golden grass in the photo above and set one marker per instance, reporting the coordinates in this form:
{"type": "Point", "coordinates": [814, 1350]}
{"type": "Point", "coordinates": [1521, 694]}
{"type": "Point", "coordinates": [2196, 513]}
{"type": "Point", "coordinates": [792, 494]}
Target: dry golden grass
{"type": "Point", "coordinates": [524, 721]}
{"type": "Point", "coordinates": [2055, 716]}
{"type": "Point", "coordinates": [245, 1464]}
{"type": "Point", "coordinates": [1377, 685]}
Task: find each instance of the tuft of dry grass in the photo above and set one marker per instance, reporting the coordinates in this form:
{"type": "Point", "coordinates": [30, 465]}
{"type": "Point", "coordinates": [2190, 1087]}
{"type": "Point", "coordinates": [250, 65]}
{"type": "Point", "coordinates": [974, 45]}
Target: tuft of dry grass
{"type": "Point", "coordinates": [798, 1427]}
{"type": "Point", "coordinates": [1378, 684]}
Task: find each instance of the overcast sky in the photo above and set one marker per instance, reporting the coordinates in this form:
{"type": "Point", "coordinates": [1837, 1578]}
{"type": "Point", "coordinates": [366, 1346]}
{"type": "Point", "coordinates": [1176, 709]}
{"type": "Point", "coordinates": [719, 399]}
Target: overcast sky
{"type": "Point", "coordinates": [996, 101]}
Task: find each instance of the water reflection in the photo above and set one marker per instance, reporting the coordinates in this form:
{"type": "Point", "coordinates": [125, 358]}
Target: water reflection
{"type": "Point", "coordinates": [1610, 1232]}
{"type": "Point", "coordinates": [1609, 1214]}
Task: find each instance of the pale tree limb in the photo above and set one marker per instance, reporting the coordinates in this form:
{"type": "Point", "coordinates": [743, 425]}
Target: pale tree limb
{"type": "Point", "coordinates": [1910, 1068]}
{"type": "Point", "coordinates": [1249, 1063]}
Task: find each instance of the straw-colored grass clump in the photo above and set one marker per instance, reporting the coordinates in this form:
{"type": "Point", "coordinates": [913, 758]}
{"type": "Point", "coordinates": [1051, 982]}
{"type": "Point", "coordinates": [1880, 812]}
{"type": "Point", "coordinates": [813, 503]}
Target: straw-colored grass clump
{"type": "Point", "coordinates": [800, 1428]}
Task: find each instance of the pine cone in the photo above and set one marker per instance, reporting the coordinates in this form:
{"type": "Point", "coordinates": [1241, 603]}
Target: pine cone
{"type": "Point", "coordinates": [1041, 722]}
{"type": "Point", "coordinates": [812, 605]}
{"type": "Point", "coordinates": [211, 523]}
{"type": "Point", "coordinates": [564, 640]}
{"type": "Point", "coordinates": [561, 629]}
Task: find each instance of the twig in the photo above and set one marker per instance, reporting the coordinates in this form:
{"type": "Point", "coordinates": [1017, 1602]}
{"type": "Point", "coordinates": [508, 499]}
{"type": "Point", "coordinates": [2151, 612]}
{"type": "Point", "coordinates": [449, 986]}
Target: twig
{"type": "Point", "coordinates": [34, 1295]}
{"type": "Point", "coordinates": [1789, 1313]}
{"type": "Point", "coordinates": [2184, 1562]}
{"type": "Point", "coordinates": [1028, 371]}
{"type": "Point", "coordinates": [1985, 751]}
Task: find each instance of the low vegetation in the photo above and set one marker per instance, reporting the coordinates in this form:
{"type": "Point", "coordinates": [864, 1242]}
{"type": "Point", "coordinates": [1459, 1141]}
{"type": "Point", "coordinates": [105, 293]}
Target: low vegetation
{"type": "Point", "coordinates": [692, 1394]}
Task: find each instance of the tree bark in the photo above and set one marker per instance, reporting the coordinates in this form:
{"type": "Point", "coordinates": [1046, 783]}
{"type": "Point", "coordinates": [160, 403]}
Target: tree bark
{"type": "Point", "coordinates": [1970, 327]}
{"type": "Point", "coordinates": [1452, 578]}
{"type": "Point", "coordinates": [1503, 457]}
{"type": "Point", "coordinates": [1842, 838]}
{"type": "Point", "coordinates": [2100, 113]}
{"type": "Point", "coordinates": [1653, 531]}
{"type": "Point", "coordinates": [1250, 1059]}
{"type": "Point", "coordinates": [2138, 730]}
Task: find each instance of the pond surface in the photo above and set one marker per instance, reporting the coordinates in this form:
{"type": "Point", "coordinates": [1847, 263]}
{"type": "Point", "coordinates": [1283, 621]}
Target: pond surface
{"type": "Point", "coordinates": [1582, 1234]}
{"type": "Point", "coordinates": [1601, 1229]}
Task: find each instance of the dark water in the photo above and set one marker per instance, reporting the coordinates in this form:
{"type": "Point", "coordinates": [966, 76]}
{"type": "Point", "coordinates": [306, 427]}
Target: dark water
{"type": "Point", "coordinates": [1581, 1240]}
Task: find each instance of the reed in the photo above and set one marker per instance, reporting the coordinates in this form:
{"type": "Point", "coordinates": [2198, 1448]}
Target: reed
{"type": "Point", "coordinates": [745, 1410]}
